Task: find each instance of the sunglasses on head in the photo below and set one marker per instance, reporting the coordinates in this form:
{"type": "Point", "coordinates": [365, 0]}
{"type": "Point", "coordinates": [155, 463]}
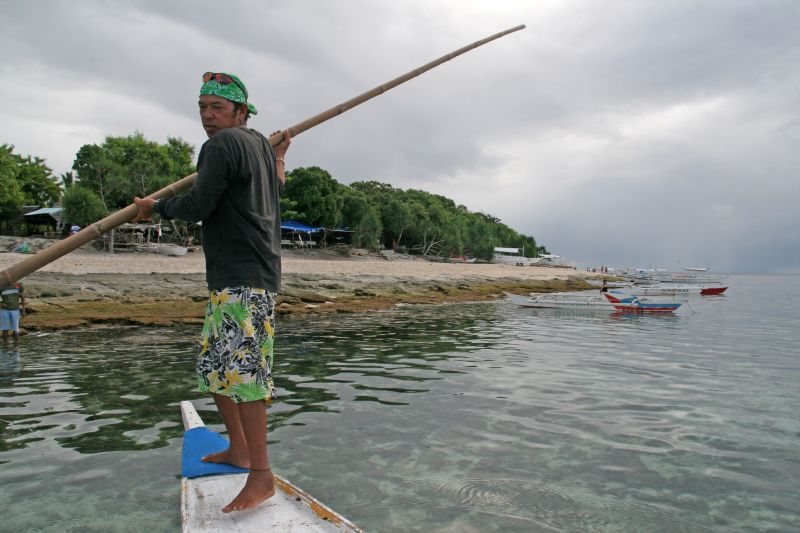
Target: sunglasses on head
{"type": "Point", "coordinates": [224, 79]}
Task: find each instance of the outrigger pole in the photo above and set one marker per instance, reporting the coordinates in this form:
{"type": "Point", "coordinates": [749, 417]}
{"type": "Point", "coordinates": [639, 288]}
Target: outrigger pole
{"type": "Point", "coordinates": [93, 231]}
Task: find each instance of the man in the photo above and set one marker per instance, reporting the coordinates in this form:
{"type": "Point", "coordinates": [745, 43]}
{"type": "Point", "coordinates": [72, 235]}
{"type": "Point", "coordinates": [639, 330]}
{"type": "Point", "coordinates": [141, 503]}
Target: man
{"type": "Point", "coordinates": [12, 306]}
{"type": "Point", "coordinates": [236, 195]}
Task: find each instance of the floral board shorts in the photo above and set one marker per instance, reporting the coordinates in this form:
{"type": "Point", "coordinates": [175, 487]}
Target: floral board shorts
{"type": "Point", "coordinates": [235, 354]}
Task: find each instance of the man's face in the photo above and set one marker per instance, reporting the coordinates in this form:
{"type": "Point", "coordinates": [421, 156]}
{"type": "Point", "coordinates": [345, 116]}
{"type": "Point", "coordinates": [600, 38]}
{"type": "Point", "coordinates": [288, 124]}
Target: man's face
{"type": "Point", "coordinates": [217, 113]}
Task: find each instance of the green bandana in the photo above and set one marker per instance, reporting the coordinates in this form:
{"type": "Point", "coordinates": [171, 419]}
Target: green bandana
{"type": "Point", "coordinates": [230, 92]}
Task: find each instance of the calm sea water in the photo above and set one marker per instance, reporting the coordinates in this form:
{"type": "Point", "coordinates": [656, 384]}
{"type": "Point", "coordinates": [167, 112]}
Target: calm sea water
{"type": "Point", "coordinates": [456, 418]}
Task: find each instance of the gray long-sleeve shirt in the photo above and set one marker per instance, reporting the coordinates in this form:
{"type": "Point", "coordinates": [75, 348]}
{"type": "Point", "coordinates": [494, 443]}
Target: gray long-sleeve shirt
{"type": "Point", "coordinates": [237, 197]}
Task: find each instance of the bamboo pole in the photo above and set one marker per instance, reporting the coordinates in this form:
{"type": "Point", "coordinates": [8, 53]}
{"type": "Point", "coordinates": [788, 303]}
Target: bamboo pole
{"type": "Point", "coordinates": [93, 231]}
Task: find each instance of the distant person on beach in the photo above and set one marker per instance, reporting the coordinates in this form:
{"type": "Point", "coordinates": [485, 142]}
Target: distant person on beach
{"type": "Point", "coordinates": [12, 307]}
{"type": "Point", "coordinates": [236, 195]}
{"type": "Point", "coordinates": [604, 288]}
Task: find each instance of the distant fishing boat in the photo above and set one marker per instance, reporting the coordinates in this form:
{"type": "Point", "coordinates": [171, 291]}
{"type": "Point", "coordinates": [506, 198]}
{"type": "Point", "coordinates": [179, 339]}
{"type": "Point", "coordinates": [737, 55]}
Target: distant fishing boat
{"type": "Point", "coordinates": [290, 510]}
{"type": "Point", "coordinates": [634, 304]}
{"type": "Point", "coordinates": [692, 276]}
{"type": "Point", "coordinates": [607, 301]}
{"type": "Point", "coordinates": [673, 289]}
{"type": "Point", "coordinates": [162, 248]}
{"type": "Point", "coordinates": [513, 256]}
{"type": "Point", "coordinates": [553, 260]}
{"type": "Point", "coordinates": [562, 301]}
{"type": "Point", "coordinates": [687, 277]}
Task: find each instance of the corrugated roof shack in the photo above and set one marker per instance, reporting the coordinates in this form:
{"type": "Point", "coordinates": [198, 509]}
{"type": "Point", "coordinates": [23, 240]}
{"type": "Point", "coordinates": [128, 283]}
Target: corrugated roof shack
{"type": "Point", "coordinates": [45, 221]}
{"type": "Point", "coordinates": [295, 234]}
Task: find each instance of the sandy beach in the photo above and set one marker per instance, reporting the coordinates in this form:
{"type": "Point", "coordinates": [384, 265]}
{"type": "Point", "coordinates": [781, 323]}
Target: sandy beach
{"type": "Point", "coordinates": [87, 287]}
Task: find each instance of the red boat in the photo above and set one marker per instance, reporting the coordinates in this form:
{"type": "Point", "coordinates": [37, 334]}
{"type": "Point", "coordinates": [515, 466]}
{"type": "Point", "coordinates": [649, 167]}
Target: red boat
{"type": "Point", "coordinates": [707, 291]}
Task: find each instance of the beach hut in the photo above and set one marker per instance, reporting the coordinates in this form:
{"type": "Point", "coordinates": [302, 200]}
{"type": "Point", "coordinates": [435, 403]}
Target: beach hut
{"type": "Point", "coordinates": [298, 235]}
{"type": "Point", "coordinates": [46, 216]}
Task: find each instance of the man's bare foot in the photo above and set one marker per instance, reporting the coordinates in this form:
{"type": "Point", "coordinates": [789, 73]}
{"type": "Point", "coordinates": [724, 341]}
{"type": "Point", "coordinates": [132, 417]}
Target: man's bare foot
{"type": "Point", "coordinates": [260, 486]}
{"type": "Point", "coordinates": [228, 457]}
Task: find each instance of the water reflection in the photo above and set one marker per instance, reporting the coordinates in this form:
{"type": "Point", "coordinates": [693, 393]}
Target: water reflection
{"type": "Point", "coordinates": [392, 355]}
{"type": "Point", "coordinates": [10, 364]}
{"type": "Point", "coordinates": [455, 418]}
{"type": "Point", "coordinates": [117, 389]}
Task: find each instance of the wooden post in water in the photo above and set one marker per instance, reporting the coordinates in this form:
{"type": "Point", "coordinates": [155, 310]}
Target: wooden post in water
{"type": "Point", "coordinates": [93, 231]}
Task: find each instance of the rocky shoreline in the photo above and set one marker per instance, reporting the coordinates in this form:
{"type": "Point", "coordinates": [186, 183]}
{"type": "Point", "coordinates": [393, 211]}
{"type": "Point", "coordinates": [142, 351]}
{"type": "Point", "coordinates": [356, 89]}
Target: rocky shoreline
{"type": "Point", "coordinates": [87, 288]}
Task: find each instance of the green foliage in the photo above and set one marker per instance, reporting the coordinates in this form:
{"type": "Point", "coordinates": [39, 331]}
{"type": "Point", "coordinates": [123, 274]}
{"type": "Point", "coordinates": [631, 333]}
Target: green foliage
{"type": "Point", "coordinates": [25, 181]}
{"type": "Point", "coordinates": [414, 220]}
{"type": "Point", "coordinates": [316, 195]}
{"type": "Point", "coordinates": [289, 207]}
{"type": "Point", "coordinates": [124, 167]}
{"type": "Point", "coordinates": [362, 217]}
{"type": "Point", "coordinates": [396, 217]}
{"type": "Point", "coordinates": [67, 180]}
{"type": "Point", "coordinates": [107, 177]}
{"type": "Point", "coordinates": [355, 207]}
{"type": "Point", "coordinates": [82, 206]}
{"type": "Point", "coordinates": [370, 230]}
{"type": "Point", "coordinates": [36, 180]}
{"type": "Point", "coordinates": [10, 193]}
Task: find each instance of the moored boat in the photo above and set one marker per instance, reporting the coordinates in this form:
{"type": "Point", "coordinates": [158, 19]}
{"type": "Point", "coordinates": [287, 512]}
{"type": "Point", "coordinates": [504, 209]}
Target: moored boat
{"type": "Point", "coordinates": [708, 291]}
{"type": "Point", "coordinates": [562, 301]}
{"type": "Point", "coordinates": [290, 510]}
{"type": "Point", "coordinates": [513, 256]}
{"type": "Point", "coordinates": [672, 289]}
{"type": "Point", "coordinates": [634, 304]}
{"type": "Point", "coordinates": [606, 301]}
{"type": "Point", "coordinates": [687, 277]}
{"type": "Point", "coordinates": [552, 260]}
{"type": "Point", "coordinates": [162, 248]}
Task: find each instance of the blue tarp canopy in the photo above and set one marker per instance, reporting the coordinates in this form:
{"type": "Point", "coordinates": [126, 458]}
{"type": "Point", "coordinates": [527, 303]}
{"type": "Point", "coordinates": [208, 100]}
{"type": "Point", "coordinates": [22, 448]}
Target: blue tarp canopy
{"type": "Point", "coordinates": [293, 225]}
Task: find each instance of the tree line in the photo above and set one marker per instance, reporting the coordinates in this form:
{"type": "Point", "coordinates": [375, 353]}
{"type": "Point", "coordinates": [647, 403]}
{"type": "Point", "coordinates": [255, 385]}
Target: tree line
{"type": "Point", "coordinates": [105, 178]}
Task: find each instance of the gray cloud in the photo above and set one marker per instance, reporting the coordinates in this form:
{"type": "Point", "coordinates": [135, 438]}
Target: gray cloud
{"type": "Point", "coordinates": [617, 133]}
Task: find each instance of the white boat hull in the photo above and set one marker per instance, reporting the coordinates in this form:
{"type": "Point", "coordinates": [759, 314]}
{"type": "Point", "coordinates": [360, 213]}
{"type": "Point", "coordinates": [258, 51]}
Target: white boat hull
{"type": "Point", "coordinates": [562, 301]}
{"type": "Point", "coordinates": [514, 260]}
{"type": "Point", "coordinates": [592, 302]}
{"type": "Point", "coordinates": [162, 249]}
{"type": "Point", "coordinates": [673, 289]}
{"type": "Point", "coordinates": [290, 510]}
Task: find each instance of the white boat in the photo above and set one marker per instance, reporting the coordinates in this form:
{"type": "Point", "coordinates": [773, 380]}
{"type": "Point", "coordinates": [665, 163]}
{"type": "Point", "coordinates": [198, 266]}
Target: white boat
{"type": "Point", "coordinates": [688, 278]}
{"type": "Point", "coordinates": [552, 260]}
{"type": "Point", "coordinates": [162, 248]}
{"type": "Point", "coordinates": [612, 300]}
{"type": "Point", "coordinates": [672, 289]}
{"type": "Point", "coordinates": [513, 256]}
{"type": "Point", "coordinates": [634, 304]}
{"type": "Point", "coordinates": [290, 510]}
{"type": "Point", "coordinates": [640, 275]}
{"type": "Point", "coordinates": [562, 301]}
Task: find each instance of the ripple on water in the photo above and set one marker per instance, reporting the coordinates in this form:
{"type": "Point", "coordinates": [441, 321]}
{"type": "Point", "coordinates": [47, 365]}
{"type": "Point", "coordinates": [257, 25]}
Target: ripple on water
{"type": "Point", "coordinates": [540, 504]}
{"type": "Point", "coordinates": [444, 419]}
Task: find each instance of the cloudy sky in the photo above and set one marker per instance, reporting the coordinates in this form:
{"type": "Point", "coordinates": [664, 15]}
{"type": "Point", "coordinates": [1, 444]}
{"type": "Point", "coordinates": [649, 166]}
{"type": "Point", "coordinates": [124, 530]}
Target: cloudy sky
{"type": "Point", "coordinates": [622, 133]}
